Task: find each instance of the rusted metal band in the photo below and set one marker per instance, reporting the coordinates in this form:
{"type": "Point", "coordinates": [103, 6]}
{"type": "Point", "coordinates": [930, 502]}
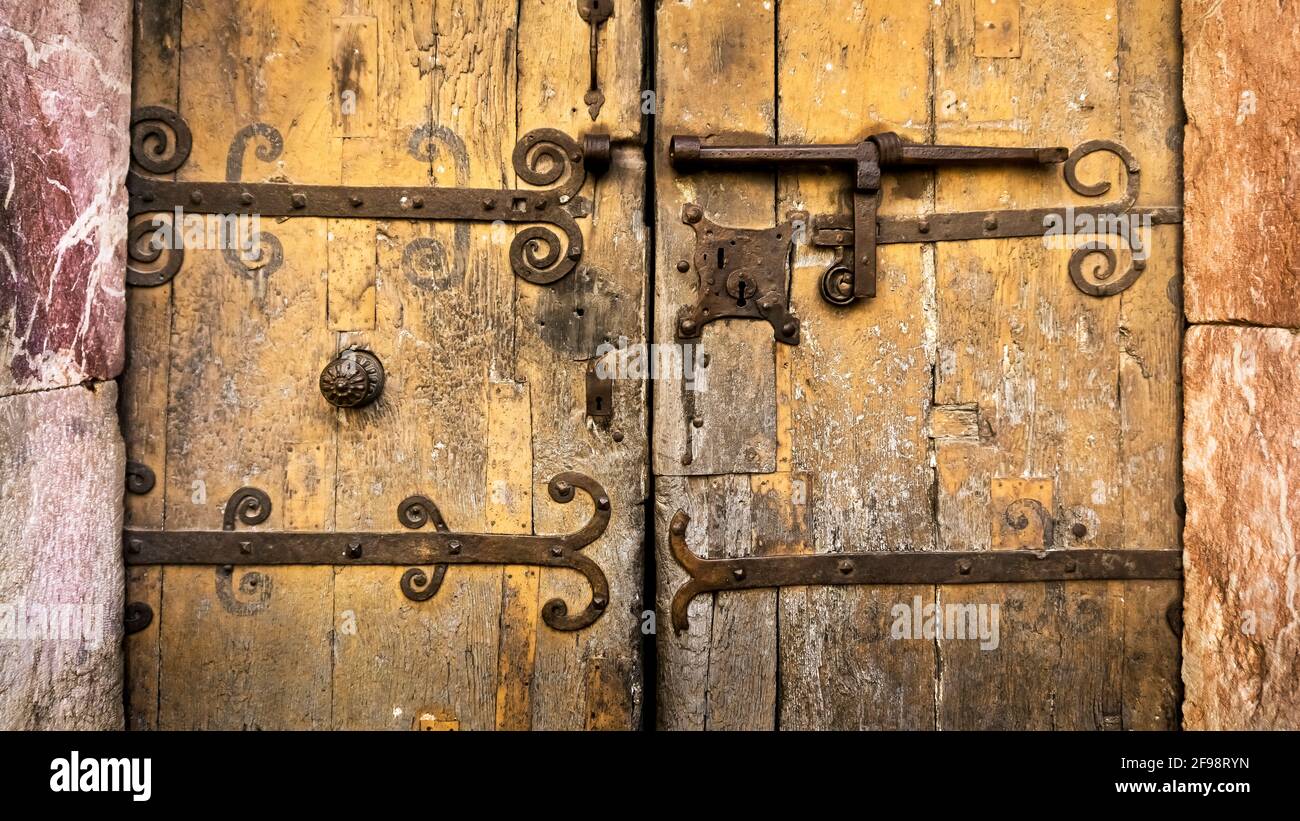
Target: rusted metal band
{"type": "Point", "coordinates": [836, 230]}
{"type": "Point", "coordinates": [439, 547]}
{"type": "Point", "coordinates": [161, 143]}
{"type": "Point", "coordinates": [911, 567]}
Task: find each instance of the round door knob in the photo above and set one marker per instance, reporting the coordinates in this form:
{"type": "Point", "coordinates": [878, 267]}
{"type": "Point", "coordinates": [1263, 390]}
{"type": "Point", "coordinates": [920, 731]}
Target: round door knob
{"type": "Point", "coordinates": [352, 379]}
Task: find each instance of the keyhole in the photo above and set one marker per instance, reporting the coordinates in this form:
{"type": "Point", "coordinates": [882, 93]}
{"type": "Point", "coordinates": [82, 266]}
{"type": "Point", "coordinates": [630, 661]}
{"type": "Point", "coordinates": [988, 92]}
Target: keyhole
{"type": "Point", "coordinates": [600, 403]}
{"type": "Point", "coordinates": [740, 298]}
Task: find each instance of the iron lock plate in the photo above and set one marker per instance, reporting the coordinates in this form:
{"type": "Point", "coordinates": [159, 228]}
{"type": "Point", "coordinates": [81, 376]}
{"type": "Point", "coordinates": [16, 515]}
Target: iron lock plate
{"type": "Point", "coordinates": [742, 273]}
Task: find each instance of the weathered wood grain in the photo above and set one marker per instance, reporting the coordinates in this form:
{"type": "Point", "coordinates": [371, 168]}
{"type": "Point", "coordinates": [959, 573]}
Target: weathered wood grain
{"type": "Point", "coordinates": [143, 384]}
{"type": "Point", "coordinates": [553, 79]}
{"type": "Point", "coordinates": [715, 76]}
{"type": "Point", "coordinates": [592, 678]}
{"type": "Point", "coordinates": [1150, 367]}
{"type": "Point", "coordinates": [1047, 368]}
{"type": "Point", "coordinates": [510, 510]}
{"type": "Point", "coordinates": [443, 326]}
{"type": "Point", "coordinates": [860, 378]}
{"type": "Point", "coordinates": [250, 648]}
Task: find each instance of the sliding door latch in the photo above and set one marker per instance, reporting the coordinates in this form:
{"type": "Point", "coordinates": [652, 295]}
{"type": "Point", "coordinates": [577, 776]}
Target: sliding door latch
{"type": "Point", "coordinates": [852, 275]}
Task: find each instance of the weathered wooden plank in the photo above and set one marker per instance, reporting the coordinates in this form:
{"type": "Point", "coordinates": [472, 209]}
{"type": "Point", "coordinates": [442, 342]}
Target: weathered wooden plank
{"type": "Point", "coordinates": [510, 510]}
{"type": "Point", "coordinates": [559, 329]}
{"type": "Point", "coordinates": [590, 678]}
{"type": "Point", "coordinates": [861, 376]}
{"type": "Point", "coordinates": [250, 648]}
{"type": "Point", "coordinates": [60, 502]}
{"type": "Point", "coordinates": [143, 384]}
{"type": "Point", "coordinates": [721, 672]}
{"type": "Point", "coordinates": [443, 328]}
{"type": "Point", "coordinates": [1040, 361]}
{"type": "Point", "coordinates": [552, 34]}
{"type": "Point", "coordinates": [715, 76]}
{"type": "Point", "coordinates": [1150, 366]}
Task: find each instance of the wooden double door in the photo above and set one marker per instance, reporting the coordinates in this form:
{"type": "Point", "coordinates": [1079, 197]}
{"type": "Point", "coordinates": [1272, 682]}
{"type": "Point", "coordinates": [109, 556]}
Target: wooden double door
{"type": "Point", "coordinates": [981, 401]}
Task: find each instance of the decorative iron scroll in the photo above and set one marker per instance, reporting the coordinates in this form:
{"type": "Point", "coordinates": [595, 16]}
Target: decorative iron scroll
{"type": "Point", "coordinates": [139, 478]}
{"type": "Point", "coordinates": [439, 548]}
{"type": "Point", "coordinates": [836, 231]}
{"type": "Point", "coordinates": [548, 158]}
{"type": "Point", "coordinates": [910, 567]}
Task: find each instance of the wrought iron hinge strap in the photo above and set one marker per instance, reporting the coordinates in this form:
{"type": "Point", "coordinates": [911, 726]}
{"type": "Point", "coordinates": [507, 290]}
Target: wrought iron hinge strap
{"type": "Point", "coordinates": [911, 567]}
{"type": "Point", "coordinates": [161, 143]}
{"type": "Point", "coordinates": [439, 547]}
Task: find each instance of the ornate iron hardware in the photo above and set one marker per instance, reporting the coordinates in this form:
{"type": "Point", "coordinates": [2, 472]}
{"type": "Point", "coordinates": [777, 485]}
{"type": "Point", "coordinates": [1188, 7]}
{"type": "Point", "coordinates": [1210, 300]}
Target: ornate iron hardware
{"type": "Point", "coordinates": [600, 393]}
{"type": "Point", "coordinates": [853, 274]}
{"type": "Point", "coordinates": [161, 143]}
{"type": "Point", "coordinates": [913, 567]}
{"type": "Point", "coordinates": [139, 478]}
{"type": "Point", "coordinates": [439, 547]}
{"type": "Point", "coordinates": [594, 13]}
{"type": "Point", "coordinates": [353, 379]}
{"type": "Point", "coordinates": [742, 273]}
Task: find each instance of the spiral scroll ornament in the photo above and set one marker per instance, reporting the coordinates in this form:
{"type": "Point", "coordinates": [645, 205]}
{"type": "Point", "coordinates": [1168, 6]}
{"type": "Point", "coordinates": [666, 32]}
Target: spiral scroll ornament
{"type": "Point", "coordinates": [548, 157]}
{"type": "Point", "coordinates": [414, 513]}
{"type": "Point", "coordinates": [140, 478]}
{"type": "Point", "coordinates": [154, 250]}
{"type": "Point", "coordinates": [1102, 281]}
{"type": "Point", "coordinates": [250, 506]}
{"type": "Point", "coordinates": [555, 612]}
{"type": "Point", "coordinates": [160, 140]}
{"type": "Point", "coordinates": [1018, 513]}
